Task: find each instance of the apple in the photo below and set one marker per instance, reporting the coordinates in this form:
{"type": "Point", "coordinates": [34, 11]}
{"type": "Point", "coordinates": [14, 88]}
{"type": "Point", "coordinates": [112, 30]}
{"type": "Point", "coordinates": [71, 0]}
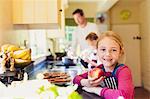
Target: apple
{"type": "Point", "coordinates": [95, 73]}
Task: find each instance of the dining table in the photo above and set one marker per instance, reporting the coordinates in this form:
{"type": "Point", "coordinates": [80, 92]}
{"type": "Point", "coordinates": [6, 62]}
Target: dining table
{"type": "Point", "coordinates": [87, 95]}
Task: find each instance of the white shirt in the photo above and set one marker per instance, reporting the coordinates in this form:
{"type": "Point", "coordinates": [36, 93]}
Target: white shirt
{"type": "Point", "coordinates": [80, 34]}
{"type": "Point", "coordinates": [93, 56]}
{"type": "Point", "coordinates": [90, 54]}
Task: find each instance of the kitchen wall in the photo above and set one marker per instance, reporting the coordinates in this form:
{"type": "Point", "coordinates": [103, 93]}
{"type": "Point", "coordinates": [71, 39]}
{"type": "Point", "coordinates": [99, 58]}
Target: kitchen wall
{"type": "Point", "coordinates": [6, 27]}
{"type": "Point", "coordinates": [145, 42]}
{"type": "Point", "coordinates": [8, 32]}
{"type": "Point", "coordinates": [21, 33]}
{"type": "Point", "coordinates": [140, 14]}
{"type": "Point", "coordinates": [116, 16]}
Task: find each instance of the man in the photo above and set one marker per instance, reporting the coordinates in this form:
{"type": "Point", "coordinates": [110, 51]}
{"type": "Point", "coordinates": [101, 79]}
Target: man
{"type": "Point", "coordinates": [83, 29]}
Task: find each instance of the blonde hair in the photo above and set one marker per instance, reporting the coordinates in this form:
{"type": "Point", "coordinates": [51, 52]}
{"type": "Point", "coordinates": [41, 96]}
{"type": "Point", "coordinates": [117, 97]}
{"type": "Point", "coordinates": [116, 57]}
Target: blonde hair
{"type": "Point", "coordinates": [114, 36]}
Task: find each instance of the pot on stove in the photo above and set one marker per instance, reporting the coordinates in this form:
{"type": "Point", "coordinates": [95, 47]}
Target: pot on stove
{"type": "Point", "coordinates": [67, 61]}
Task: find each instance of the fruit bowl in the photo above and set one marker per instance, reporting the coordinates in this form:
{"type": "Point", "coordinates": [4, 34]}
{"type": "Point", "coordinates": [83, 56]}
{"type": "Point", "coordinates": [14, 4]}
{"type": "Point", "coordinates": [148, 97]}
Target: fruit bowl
{"type": "Point", "coordinates": [19, 63]}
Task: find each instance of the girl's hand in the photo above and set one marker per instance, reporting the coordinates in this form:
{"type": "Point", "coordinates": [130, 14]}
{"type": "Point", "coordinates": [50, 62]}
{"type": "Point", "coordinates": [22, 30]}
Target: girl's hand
{"type": "Point", "coordinates": [85, 82]}
{"type": "Point", "coordinates": [96, 82]}
{"type": "Point", "coordinates": [91, 82]}
{"type": "Point", "coordinates": [96, 90]}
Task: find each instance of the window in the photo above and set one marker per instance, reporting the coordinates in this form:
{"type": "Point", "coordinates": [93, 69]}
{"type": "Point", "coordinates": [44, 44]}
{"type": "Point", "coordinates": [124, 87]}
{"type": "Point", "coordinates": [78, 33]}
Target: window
{"type": "Point", "coordinates": [38, 43]}
{"type": "Point", "coordinates": [70, 27]}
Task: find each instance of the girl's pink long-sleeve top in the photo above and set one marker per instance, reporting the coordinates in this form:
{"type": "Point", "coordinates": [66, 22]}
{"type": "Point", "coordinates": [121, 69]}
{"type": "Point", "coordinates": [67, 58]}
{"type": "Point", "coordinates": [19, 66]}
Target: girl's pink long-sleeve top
{"type": "Point", "coordinates": [125, 84]}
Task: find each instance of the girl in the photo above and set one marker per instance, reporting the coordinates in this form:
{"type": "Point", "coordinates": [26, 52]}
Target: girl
{"type": "Point", "coordinates": [117, 80]}
{"type": "Point", "coordinates": [91, 39]}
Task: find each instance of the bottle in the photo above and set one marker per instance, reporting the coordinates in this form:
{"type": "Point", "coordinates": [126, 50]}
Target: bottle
{"type": "Point", "coordinates": [25, 78]}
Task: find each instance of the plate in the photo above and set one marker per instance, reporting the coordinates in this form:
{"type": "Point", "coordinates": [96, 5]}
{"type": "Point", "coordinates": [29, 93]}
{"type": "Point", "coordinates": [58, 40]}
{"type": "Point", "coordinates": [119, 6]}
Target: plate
{"type": "Point", "coordinates": [62, 83]}
{"type": "Point", "coordinates": [58, 78]}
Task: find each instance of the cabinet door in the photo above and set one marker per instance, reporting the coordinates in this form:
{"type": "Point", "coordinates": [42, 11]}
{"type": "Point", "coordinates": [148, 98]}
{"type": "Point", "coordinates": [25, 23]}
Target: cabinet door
{"type": "Point", "coordinates": [17, 11]}
{"type": "Point", "coordinates": [52, 11]}
{"type": "Point", "coordinates": [41, 7]}
{"type": "Point", "coordinates": [37, 11]}
{"type": "Point", "coordinates": [23, 11]}
{"type": "Point", "coordinates": [27, 11]}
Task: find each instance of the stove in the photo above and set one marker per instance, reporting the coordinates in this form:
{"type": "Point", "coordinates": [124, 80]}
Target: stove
{"type": "Point", "coordinates": [17, 75]}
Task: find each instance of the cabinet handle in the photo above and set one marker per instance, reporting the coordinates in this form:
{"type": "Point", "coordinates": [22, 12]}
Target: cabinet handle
{"type": "Point", "coordinates": [60, 10]}
{"type": "Point", "coordinates": [137, 38]}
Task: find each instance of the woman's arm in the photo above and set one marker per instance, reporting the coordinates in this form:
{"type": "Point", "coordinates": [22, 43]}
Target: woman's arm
{"type": "Point", "coordinates": [125, 86]}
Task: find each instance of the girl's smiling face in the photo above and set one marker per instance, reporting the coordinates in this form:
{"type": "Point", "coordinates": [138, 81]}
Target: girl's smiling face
{"type": "Point", "coordinates": [108, 52]}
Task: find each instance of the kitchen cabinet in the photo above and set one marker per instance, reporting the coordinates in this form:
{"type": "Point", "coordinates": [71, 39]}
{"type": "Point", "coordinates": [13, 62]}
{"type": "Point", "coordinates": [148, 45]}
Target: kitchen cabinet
{"type": "Point", "coordinates": [55, 15]}
{"type": "Point", "coordinates": [41, 11]}
{"type": "Point", "coordinates": [37, 11]}
{"type": "Point", "coordinates": [23, 11]}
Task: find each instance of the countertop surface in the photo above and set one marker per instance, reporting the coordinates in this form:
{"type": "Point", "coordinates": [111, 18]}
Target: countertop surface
{"type": "Point", "coordinates": [48, 66]}
{"type": "Point", "coordinates": [87, 95]}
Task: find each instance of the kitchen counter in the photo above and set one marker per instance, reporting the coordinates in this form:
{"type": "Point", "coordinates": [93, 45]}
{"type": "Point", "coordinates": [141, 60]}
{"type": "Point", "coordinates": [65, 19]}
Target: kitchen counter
{"type": "Point", "coordinates": [48, 66]}
{"type": "Point", "coordinates": [87, 95]}
{"type": "Point", "coordinates": [14, 91]}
